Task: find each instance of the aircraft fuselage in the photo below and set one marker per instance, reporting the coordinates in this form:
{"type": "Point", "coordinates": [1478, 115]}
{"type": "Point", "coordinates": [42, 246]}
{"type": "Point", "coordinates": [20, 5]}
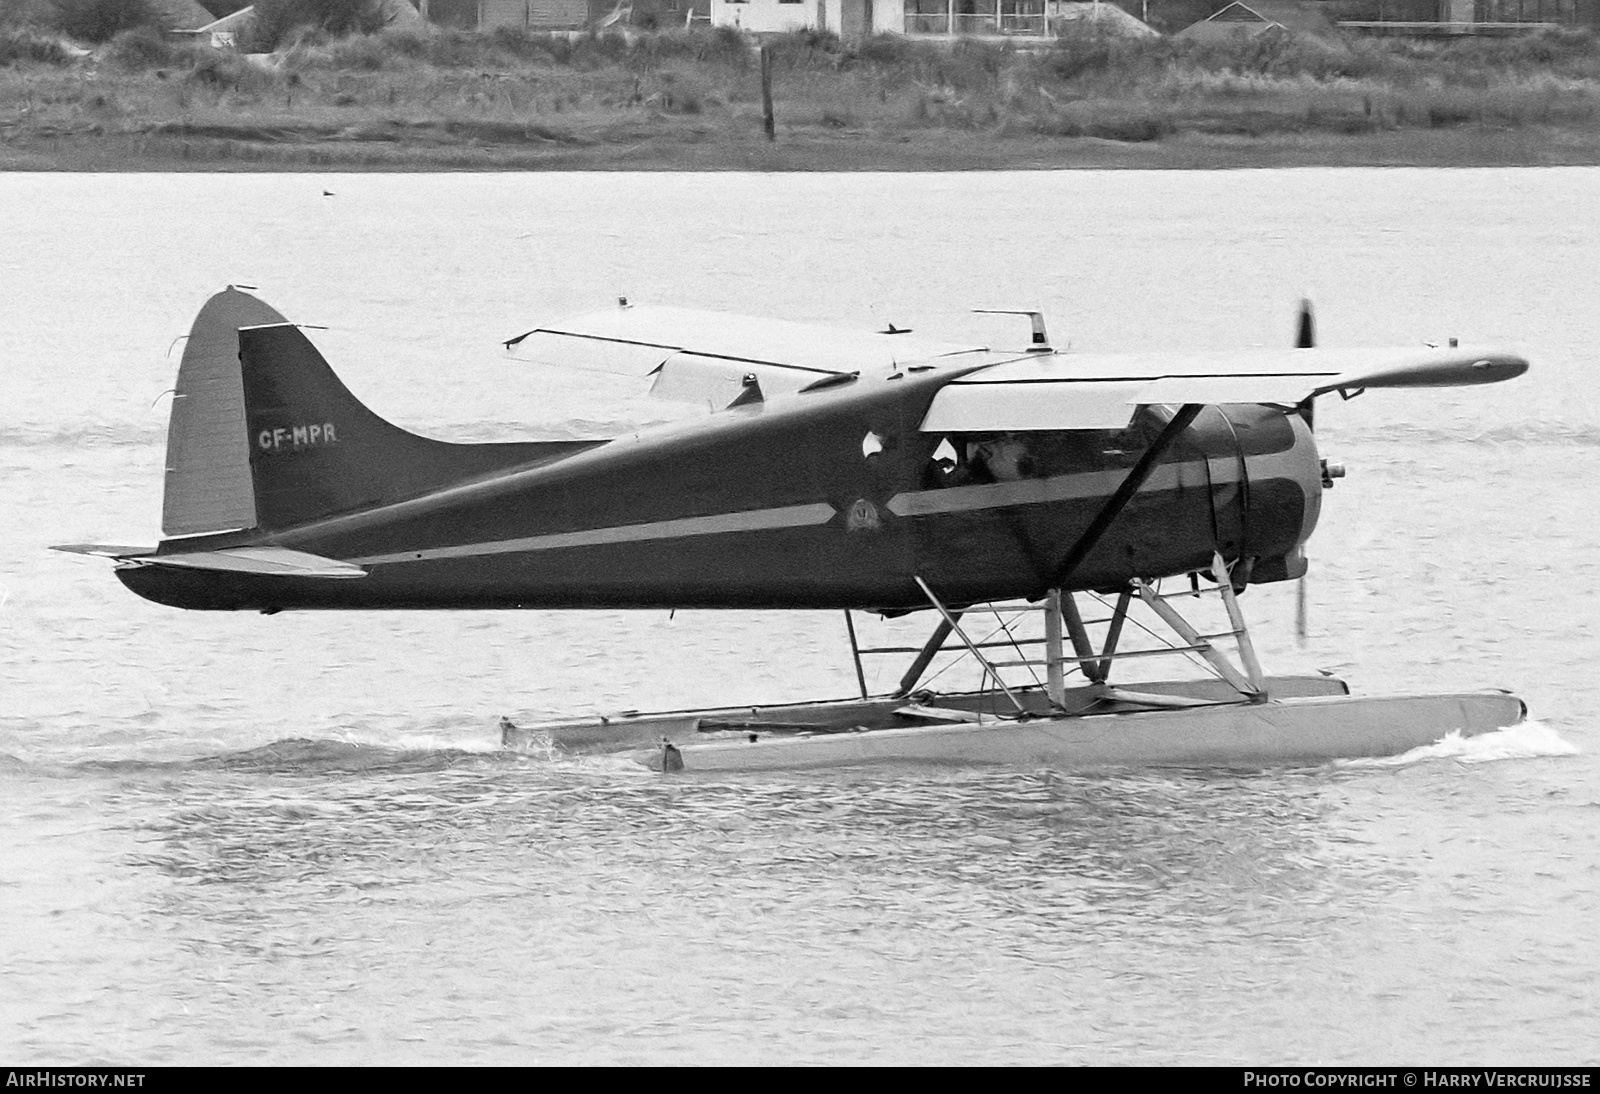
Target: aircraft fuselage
{"type": "Point", "coordinates": [832, 499]}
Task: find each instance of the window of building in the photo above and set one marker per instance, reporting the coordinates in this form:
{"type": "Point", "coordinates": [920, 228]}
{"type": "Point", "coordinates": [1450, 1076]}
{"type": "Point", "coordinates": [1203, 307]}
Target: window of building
{"type": "Point", "coordinates": [460, 14]}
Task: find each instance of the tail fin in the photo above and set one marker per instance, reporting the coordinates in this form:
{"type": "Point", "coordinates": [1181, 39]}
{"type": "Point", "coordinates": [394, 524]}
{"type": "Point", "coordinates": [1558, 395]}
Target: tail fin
{"type": "Point", "coordinates": [272, 439]}
{"type": "Point", "coordinates": [208, 466]}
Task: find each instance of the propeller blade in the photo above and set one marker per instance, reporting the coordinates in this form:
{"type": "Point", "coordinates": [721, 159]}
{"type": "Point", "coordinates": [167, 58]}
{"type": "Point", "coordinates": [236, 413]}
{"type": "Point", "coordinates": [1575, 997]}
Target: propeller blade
{"type": "Point", "coordinates": [1306, 329]}
{"type": "Point", "coordinates": [1305, 337]}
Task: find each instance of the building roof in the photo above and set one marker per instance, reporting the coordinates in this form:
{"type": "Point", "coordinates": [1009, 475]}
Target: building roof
{"type": "Point", "coordinates": [181, 14]}
{"type": "Point", "coordinates": [1251, 17]}
{"type": "Point", "coordinates": [232, 24]}
{"type": "Point", "coordinates": [172, 14]}
{"type": "Point", "coordinates": [397, 13]}
{"type": "Point", "coordinates": [1295, 15]}
{"type": "Point", "coordinates": [1106, 17]}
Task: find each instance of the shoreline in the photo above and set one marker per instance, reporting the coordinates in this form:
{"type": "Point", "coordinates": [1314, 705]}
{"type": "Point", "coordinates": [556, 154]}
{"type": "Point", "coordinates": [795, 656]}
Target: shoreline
{"type": "Point", "coordinates": [443, 101]}
{"type": "Point", "coordinates": [934, 151]}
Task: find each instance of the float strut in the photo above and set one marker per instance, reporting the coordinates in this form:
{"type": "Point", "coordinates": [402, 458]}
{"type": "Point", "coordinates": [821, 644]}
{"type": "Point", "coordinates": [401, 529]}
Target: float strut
{"type": "Point", "coordinates": [1088, 660]}
{"type": "Point", "coordinates": [1114, 633]}
{"type": "Point", "coordinates": [855, 652]}
{"type": "Point", "coordinates": [929, 652]}
{"type": "Point", "coordinates": [1241, 633]}
{"type": "Point", "coordinates": [972, 647]}
{"type": "Point", "coordinates": [1219, 663]}
{"type": "Point", "coordinates": [1055, 683]}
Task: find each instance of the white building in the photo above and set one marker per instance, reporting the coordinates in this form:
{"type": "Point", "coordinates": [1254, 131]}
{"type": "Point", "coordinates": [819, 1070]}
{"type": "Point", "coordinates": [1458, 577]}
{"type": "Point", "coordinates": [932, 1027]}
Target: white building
{"type": "Point", "coordinates": [848, 18]}
{"type": "Point", "coordinates": [517, 14]}
{"type": "Point", "coordinates": [937, 18]}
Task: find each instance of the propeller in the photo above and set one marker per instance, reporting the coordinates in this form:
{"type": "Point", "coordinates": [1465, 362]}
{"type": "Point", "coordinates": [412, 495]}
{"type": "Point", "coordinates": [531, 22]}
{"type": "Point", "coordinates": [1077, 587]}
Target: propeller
{"type": "Point", "coordinates": [1305, 338]}
{"type": "Point", "coordinates": [1306, 329]}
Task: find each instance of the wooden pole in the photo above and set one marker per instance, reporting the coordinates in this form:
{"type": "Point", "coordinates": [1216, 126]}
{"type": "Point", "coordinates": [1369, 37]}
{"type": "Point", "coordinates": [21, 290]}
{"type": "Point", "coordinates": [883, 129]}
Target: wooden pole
{"type": "Point", "coordinates": [766, 93]}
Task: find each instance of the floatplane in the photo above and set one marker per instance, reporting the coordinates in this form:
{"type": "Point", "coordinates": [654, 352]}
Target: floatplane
{"type": "Point", "coordinates": [861, 472]}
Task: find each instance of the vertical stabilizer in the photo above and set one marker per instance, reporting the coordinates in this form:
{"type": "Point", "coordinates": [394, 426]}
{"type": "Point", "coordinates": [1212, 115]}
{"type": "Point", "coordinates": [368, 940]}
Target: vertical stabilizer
{"type": "Point", "coordinates": [315, 451]}
{"type": "Point", "coordinates": [208, 483]}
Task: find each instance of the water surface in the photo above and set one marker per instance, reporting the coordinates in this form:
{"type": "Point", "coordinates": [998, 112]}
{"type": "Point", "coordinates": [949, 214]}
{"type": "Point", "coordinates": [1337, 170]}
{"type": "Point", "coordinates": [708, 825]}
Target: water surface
{"type": "Point", "coordinates": [292, 839]}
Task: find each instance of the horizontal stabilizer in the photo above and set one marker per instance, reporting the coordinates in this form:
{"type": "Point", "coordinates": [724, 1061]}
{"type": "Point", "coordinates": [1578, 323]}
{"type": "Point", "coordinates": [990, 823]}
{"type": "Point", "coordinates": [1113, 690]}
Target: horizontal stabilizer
{"type": "Point", "coordinates": [103, 550]}
{"type": "Point", "coordinates": [262, 561]}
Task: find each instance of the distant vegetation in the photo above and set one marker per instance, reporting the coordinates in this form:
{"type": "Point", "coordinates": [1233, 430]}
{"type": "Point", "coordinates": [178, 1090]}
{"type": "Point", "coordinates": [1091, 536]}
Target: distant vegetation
{"type": "Point", "coordinates": [275, 21]}
{"type": "Point", "coordinates": [436, 98]}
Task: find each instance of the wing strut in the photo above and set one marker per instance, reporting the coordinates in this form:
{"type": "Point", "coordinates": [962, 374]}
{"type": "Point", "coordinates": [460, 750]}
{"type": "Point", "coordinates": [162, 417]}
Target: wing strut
{"type": "Point", "coordinates": [1137, 475]}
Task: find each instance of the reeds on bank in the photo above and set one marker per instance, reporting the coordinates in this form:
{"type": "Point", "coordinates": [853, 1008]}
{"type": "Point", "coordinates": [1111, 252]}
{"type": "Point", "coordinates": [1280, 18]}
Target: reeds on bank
{"type": "Point", "coordinates": [439, 97]}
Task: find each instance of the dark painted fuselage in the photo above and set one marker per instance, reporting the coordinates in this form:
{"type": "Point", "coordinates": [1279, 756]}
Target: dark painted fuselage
{"type": "Point", "coordinates": [830, 499]}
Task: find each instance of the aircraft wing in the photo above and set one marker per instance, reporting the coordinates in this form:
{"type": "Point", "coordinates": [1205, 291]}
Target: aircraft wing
{"type": "Point", "coordinates": [701, 356]}
{"type": "Point", "coordinates": [1101, 391]}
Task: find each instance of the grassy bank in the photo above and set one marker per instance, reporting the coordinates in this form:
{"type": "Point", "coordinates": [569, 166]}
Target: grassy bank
{"type": "Point", "coordinates": [444, 100]}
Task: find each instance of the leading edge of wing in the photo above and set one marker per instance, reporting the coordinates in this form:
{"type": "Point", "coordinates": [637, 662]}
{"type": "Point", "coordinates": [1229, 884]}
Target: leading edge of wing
{"type": "Point", "coordinates": [1101, 391]}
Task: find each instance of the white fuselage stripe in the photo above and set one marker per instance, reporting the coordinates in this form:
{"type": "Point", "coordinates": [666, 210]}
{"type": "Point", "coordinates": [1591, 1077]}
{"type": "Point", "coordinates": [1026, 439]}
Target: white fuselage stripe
{"type": "Point", "coordinates": [1089, 484]}
{"type": "Point", "coordinates": [752, 520]}
{"type": "Point", "coordinates": [918, 503]}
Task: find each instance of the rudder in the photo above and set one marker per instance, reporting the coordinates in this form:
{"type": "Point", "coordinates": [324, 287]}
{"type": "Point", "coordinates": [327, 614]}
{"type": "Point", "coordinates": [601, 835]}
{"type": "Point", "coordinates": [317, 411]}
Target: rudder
{"type": "Point", "coordinates": [207, 487]}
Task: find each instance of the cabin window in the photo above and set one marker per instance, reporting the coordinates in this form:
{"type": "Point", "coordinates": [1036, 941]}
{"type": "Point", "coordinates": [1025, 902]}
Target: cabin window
{"type": "Point", "coordinates": [1002, 457]}
{"type": "Point", "coordinates": [974, 459]}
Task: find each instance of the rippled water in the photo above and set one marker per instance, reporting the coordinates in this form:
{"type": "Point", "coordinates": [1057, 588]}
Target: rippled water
{"type": "Point", "coordinates": [292, 839]}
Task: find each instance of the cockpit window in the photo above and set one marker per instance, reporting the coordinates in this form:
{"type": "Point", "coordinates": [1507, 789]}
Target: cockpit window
{"type": "Point", "coordinates": [966, 459]}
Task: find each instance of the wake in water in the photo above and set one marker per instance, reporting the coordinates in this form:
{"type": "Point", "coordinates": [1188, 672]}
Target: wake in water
{"type": "Point", "coordinates": [418, 753]}
{"type": "Point", "coordinates": [1523, 741]}
{"type": "Point", "coordinates": [308, 756]}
